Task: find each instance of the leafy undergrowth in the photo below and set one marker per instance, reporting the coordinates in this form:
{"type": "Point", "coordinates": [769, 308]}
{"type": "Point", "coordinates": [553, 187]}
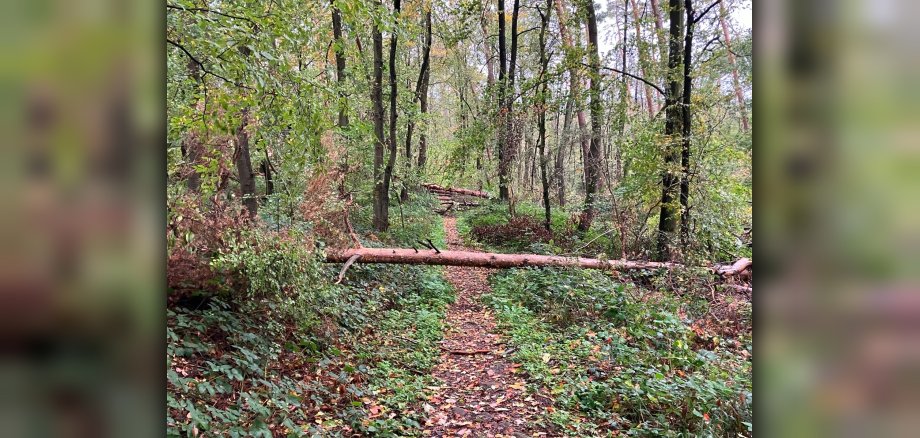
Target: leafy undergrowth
{"type": "Point", "coordinates": [620, 359]}
{"type": "Point", "coordinates": [492, 227]}
{"type": "Point", "coordinates": [271, 347]}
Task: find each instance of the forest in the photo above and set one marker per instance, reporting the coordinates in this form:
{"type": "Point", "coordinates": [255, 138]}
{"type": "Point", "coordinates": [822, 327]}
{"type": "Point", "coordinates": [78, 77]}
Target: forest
{"type": "Point", "coordinates": [459, 218]}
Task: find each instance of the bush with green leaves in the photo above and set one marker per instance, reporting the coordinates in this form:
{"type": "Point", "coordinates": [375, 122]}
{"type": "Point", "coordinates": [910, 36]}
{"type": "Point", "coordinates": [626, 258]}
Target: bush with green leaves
{"type": "Point", "coordinates": [616, 358]}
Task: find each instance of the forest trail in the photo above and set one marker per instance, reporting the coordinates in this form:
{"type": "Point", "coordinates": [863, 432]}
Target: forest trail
{"type": "Point", "coordinates": [481, 392]}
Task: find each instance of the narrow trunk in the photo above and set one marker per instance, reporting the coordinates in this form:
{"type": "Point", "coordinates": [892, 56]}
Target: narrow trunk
{"type": "Point", "coordinates": [643, 59]}
{"type": "Point", "coordinates": [667, 220]}
{"type": "Point", "coordinates": [541, 142]}
{"type": "Point", "coordinates": [244, 167]}
{"type": "Point", "coordinates": [423, 71]}
{"type": "Point", "coordinates": [574, 82]}
{"type": "Point", "coordinates": [381, 201]}
{"type": "Point", "coordinates": [739, 94]}
{"type": "Point", "coordinates": [339, 63]}
{"type": "Point", "coordinates": [660, 33]}
{"type": "Point", "coordinates": [487, 51]}
{"type": "Point", "coordinates": [592, 160]}
{"type": "Point", "coordinates": [391, 161]}
{"type": "Point", "coordinates": [687, 130]}
{"type": "Point", "coordinates": [560, 153]}
{"type": "Point", "coordinates": [423, 95]}
{"type": "Point", "coordinates": [508, 146]}
{"type": "Point", "coordinates": [502, 90]}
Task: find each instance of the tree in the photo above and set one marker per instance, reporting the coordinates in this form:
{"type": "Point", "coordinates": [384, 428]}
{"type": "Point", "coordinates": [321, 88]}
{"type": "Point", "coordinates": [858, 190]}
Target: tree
{"type": "Point", "coordinates": [244, 166]}
{"type": "Point", "coordinates": [381, 198]}
{"type": "Point", "coordinates": [686, 128]}
{"type": "Point", "coordinates": [592, 160]}
{"type": "Point", "coordinates": [574, 86]}
{"type": "Point", "coordinates": [420, 96]}
{"type": "Point", "coordinates": [339, 45]}
{"type": "Point", "coordinates": [668, 216]}
{"type": "Point", "coordinates": [391, 160]}
{"type": "Point", "coordinates": [739, 94]}
{"type": "Point", "coordinates": [541, 108]}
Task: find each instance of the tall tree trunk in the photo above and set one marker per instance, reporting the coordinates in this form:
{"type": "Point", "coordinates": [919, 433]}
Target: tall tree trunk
{"type": "Point", "coordinates": [544, 92]}
{"type": "Point", "coordinates": [667, 220]}
{"type": "Point", "coordinates": [592, 160]}
{"type": "Point", "coordinates": [421, 87]}
{"type": "Point", "coordinates": [739, 94]}
{"type": "Point", "coordinates": [244, 167]}
{"type": "Point", "coordinates": [687, 129]}
{"type": "Point", "coordinates": [502, 90]}
{"type": "Point", "coordinates": [339, 62]}
{"type": "Point", "coordinates": [487, 51]}
{"type": "Point", "coordinates": [423, 95]}
{"type": "Point", "coordinates": [391, 160]}
{"type": "Point", "coordinates": [381, 198]}
{"type": "Point", "coordinates": [642, 47]}
{"type": "Point", "coordinates": [560, 153]}
{"type": "Point", "coordinates": [574, 82]}
{"type": "Point", "coordinates": [660, 34]}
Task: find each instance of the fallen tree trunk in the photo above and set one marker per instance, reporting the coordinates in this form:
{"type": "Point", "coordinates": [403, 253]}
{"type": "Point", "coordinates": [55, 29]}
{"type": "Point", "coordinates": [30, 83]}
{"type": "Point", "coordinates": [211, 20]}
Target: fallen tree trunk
{"type": "Point", "coordinates": [736, 268]}
{"type": "Point", "coordinates": [438, 189]}
{"type": "Point", "coordinates": [482, 259]}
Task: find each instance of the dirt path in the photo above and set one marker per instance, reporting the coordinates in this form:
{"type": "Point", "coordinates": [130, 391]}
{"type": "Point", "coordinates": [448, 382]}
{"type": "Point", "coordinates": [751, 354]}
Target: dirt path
{"type": "Point", "coordinates": [481, 392]}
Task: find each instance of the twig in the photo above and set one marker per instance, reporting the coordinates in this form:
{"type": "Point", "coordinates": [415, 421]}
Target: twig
{"type": "Point", "coordinates": [348, 264]}
{"type": "Point", "coordinates": [351, 231]}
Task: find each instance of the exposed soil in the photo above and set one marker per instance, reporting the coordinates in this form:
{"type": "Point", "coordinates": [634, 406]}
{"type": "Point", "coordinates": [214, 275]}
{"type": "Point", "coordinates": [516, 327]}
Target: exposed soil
{"type": "Point", "coordinates": [481, 391]}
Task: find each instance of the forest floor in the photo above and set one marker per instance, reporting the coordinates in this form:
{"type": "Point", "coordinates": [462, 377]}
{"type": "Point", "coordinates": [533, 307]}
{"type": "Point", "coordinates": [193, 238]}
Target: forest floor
{"type": "Point", "coordinates": [481, 391]}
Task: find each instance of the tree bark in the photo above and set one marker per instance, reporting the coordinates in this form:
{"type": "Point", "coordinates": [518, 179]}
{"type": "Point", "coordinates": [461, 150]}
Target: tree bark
{"type": "Point", "coordinates": [592, 160]}
{"type": "Point", "coordinates": [339, 62]}
{"type": "Point", "coordinates": [739, 94]}
{"type": "Point", "coordinates": [667, 220]}
{"type": "Point", "coordinates": [244, 167]}
{"type": "Point", "coordinates": [423, 96]}
{"type": "Point", "coordinates": [381, 198]}
{"type": "Point", "coordinates": [508, 139]}
{"type": "Point", "coordinates": [391, 160]}
{"type": "Point", "coordinates": [502, 90]}
{"type": "Point", "coordinates": [541, 142]}
{"type": "Point", "coordinates": [687, 129]}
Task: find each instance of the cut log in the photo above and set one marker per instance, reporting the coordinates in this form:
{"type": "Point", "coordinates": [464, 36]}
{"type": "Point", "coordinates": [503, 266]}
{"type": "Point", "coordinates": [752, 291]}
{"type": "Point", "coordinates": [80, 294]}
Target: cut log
{"type": "Point", "coordinates": [446, 190]}
{"type": "Point", "coordinates": [483, 259]}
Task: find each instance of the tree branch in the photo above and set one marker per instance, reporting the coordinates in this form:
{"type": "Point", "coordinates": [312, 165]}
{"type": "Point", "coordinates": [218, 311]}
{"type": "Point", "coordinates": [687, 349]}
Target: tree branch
{"type": "Point", "coordinates": [647, 82]}
{"type": "Point", "coordinates": [705, 11]}
{"type": "Point", "coordinates": [205, 68]}
{"type": "Point", "coordinates": [210, 11]}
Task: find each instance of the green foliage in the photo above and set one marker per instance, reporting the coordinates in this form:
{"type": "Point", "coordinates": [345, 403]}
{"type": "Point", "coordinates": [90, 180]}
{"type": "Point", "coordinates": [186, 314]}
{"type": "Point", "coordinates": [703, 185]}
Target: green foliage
{"type": "Point", "coordinates": [290, 353]}
{"type": "Point", "coordinates": [618, 360]}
